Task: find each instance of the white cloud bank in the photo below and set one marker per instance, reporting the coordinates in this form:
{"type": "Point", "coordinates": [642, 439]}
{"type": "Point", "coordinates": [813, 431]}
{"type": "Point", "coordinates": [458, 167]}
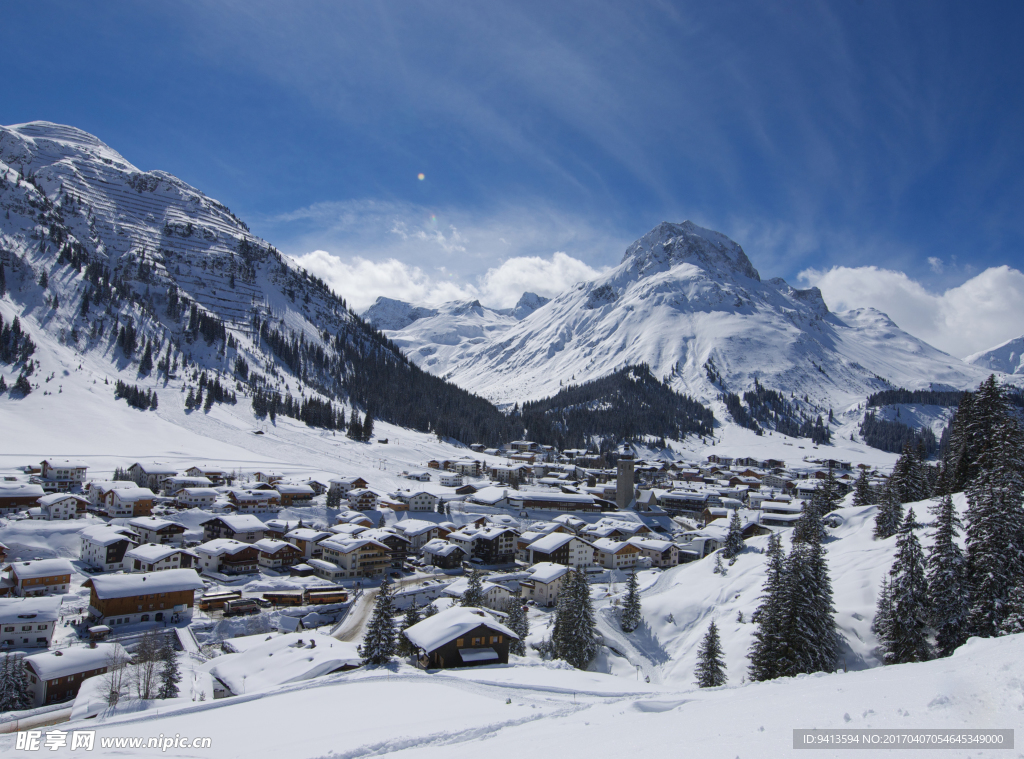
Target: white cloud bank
{"type": "Point", "coordinates": [984, 311]}
{"type": "Point", "coordinates": [361, 281]}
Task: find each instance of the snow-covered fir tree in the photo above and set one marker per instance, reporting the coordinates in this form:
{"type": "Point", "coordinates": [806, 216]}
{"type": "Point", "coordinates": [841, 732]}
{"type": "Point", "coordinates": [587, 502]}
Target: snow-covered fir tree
{"type": "Point", "coordinates": [412, 617]}
{"type": "Point", "coordinates": [517, 621]}
{"type": "Point", "coordinates": [631, 610]}
{"type": "Point", "coordinates": [808, 626]}
{"type": "Point", "coordinates": [429, 610]}
{"type": "Point", "coordinates": [826, 496]}
{"type": "Point", "coordinates": [719, 566]}
{"type": "Point", "coordinates": [908, 480]}
{"type": "Point", "coordinates": [710, 669]}
{"type": "Point", "coordinates": [1013, 622]}
{"type": "Point", "coordinates": [734, 539]}
{"type": "Point", "coordinates": [575, 631]}
{"type": "Point", "coordinates": [889, 515]}
{"type": "Point", "coordinates": [768, 645]}
{"type": "Point", "coordinates": [905, 632]}
{"type": "Point", "coordinates": [169, 674]}
{"type": "Point", "coordinates": [862, 493]}
{"type": "Point", "coordinates": [14, 685]}
{"type": "Point", "coordinates": [474, 593]}
{"type": "Point", "coordinates": [947, 581]}
{"type": "Point", "coordinates": [995, 517]}
{"type": "Point", "coordinates": [882, 623]}
{"type": "Point", "coordinates": [379, 642]}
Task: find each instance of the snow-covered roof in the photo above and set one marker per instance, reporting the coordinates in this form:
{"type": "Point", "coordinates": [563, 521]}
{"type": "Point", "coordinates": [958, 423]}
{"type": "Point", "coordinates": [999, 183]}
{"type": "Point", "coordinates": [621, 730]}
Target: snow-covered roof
{"type": "Point", "coordinates": [270, 545]}
{"type": "Point", "coordinates": [20, 490]}
{"type": "Point", "coordinates": [50, 665]}
{"type": "Point", "coordinates": [65, 463]}
{"type": "Point", "coordinates": [348, 545]}
{"type": "Point", "coordinates": [551, 542]}
{"type": "Point", "coordinates": [440, 547]}
{"type": "Point", "coordinates": [415, 526]}
{"type": "Point", "coordinates": [150, 552]}
{"type": "Point", "coordinates": [307, 533]}
{"type": "Point", "coordinates": [651, 544]}
{"type": "Point", "coordinates": [610, 546]}
{"type": "Point", "coordinates": [221, 546]}
{"type": "Point", "coordinates": [123, 586]}
{"type": "Point", "coordinates": [37, 608]}
{"type": "Point", "coordinates": [241, 522]}
{"type": "Point", "coordinates": [346, 528]}
{"type": "Point", "coordinates": [547, 571]}
{"type": "Point", "coordinates": [52, 498]}
{"type": "Point", "coordinates": [105, 534]}
{"type": "Point", "coordinates": [152, 523]}
{"type": "Point", "coordinates": [554, 496]}
{"type": "Point", "coordinates": [292, 489]}
{"type": "Point", "coordinates": [105, 486]}
{"type": "Point", "coordinates": [197, 492]}
{"type": "Point", "coordinates": [329, 566]}
{"type": "Point", "coordinates": [130, 495]}
{"type": "Point", "coordinates": [155, 468]}
{"type": "Point", "coordinates": [42, 568]}
{"type": "Point", "coordinates": [454, 622]}
{"type": "Point", "coordinates": [279, 659]}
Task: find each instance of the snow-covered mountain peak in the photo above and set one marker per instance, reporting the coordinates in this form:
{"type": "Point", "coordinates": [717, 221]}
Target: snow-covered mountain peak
{"type": "Point", "coordinates": [392, 314]}
{"type": "Point", "coordinates": [668, 245]}
{"type": "Point", "coordinates": [528, 303]}
{"type": "Point", "coordinates": [64, 140]}
{"type": "Point", "coordinates": [1006, 357]}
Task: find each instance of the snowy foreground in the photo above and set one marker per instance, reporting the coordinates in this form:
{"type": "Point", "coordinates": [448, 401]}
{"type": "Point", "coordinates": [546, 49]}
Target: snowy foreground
{"type": "Point", "coordinates": [562, 712]}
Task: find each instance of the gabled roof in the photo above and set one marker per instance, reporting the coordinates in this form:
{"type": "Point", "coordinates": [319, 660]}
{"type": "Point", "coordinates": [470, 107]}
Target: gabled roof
{"type": "Point", "coordinates": [65, 463]}
{"type": "Point", "coordinates": [20, 490]}
{"type": "Point", "coordinates": [150, 552]}
{"type": "Point", "coordinates": [221, 546]}
{"type": "Point", "coordinates": [240, 522]}
{"type": "Point", "coordinates": [552, 542]}
{"type": "Point", "coordinates": [106, 534]}
{"type": "Point", "coordinates": [450, 624]}
{"type": "Point", "coordinates": [124, 586]}
{"type": "Point", "coordinates": [547, 571]}
{"type": "Point", "coordinates": [153, 523]}
{"type": "Point", "coordinates": [47, 500]}
{"type": "Point", "coordinates": [270, 545]}
{"type": "Point", "coordinates": [42, 568]}
{"type": "Point", "coordinates": [50, 665]}
{"type": "Point", "coordinates": [130, 495]}
{"type": "Point", "coordinates": [155, 468]}
{"type": "Point", "coordinates": [36, 609]}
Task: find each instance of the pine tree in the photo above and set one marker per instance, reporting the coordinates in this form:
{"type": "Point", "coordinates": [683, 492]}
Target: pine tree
{"type": "Point", "coordinates": [190, 401]}
{"type": "Point", "coordinates": [333, 498]}
{"type": "Point", "coordinates": [889, 515]}
{"type": "Point", "coordinates": [367, 431]}
{"type": "Point", "coordinates": [1013, 622]}
{"type": "Point", "coordinates": [947, 583]}
{"type": "Point", "coordinates": [14, 685]}
{"type": "Point", "coordinates": [517, 621]}
{"type": "Point", "coordinates": [429, 610]}
{"type": "Point", "coordinates": [862, 495]}
{"type": "Point", "coordinates": [906, 639]}
{"type": "Point", "coordinates": [44, 280]}
{"type": "Point", "coordinates": [22, 385]}
{"type": "Point", "coordinates": [881, 625]}
{"type": "Point", "coordinates": [169, 675]}
{"type": "Point", "coordinates": [808, 626]}
{"type": "Point", "coordinates": [379, 642]}
{"type": "Point", "coordinates": [575, 632]}
{"type": "Point", "coordinates": [631, 610]}
{"type": "Point", "coordinates": [907, 480]}
{"type": "Point", "coordinates": [474, 593]}
{"type": "Point", "coordinates": [146, 364]}
{"type": "Point", "coordinates": [3, 280]}
{"type": "Point", "coordinates": [826, 496]}
{"type": "Point", "coordinates": [734, 544]}
{"type": "Point", "coordinates": [768, 638]}
{"type": "Point", "coordinates": [719, 566]}
{"type": "Point", "coordinates": [412, 617]}
{"type": "Point", "coordinates": [355, 427]}
{"type": "Point", "coordinates": [710, 669]}
{"type": "Point", "coordinates": [995, 523]}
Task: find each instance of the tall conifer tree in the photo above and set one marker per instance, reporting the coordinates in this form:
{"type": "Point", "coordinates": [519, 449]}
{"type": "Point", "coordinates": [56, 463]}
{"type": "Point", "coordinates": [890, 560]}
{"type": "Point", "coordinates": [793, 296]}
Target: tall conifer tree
{"type": "Point", "coordinates": [947, 581]}
{"type": "Point", "coordinates": [906, 639]}
{"type": "Point", "coordinates": [710, 669]}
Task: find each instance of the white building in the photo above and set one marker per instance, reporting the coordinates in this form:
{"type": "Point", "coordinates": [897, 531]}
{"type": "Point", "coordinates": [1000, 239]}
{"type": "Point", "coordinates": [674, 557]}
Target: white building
{"type": "Point", "coordinates": [614, 554]}
{"type": "Point", "coordinates": [57, 506]}
{"type": "Point", "coordinates": [419, 500]}
{"type": "Point", "coordinates": [103, 546]}
{"type": "Point", "coordinates": [28, 622]}
{"type": "Point", "coordinates": [197, 498]}
{"type": "Point", "coordinates": [153, 557]}
{"type": "Point", "coordinates": [63, 474]}
{"type": "Point", "coordinates": [544, 583]}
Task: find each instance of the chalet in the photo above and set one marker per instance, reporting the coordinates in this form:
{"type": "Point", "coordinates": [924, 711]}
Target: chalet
{"type": "Point", "coordinates": [277, 554]}
{"type": "Point", "coordinates": [171, 485]}
{"type": "Point", "coordinates": [397, 544]}
{"type": "Point", "coordinates": [419, 531]}
{"type": "Point", "coordinates": [130, 502]}
{"type": "Point", "coordinates": [156, 530]}
{"type": "Point", "coordinates": [524, 446]}
{"type": "Point", "coordinates": [307, 540]}
{"type": "Point", "coordinates": [440, 553]}
{"type": "Point", "coordinates": [345, 485]}
{"type": "Point", "coordinates": [662, 553]}
{"type": "Point", "coordinates": [97, 490]}
{"type": "Point", "coordinates": [42, 577]}
{"type": "Point", "coordinates": [362, 499]}
{"type": "Point", "coordinates": [56, 676]}
{"type": "Point", "coordinates": [450, 479]}
{"type": "Point", "coordinates": [318, 487]}
{"type": "Point", "coordinates": [244, 528]}
{"type": "Point", "coordinates": [28, 622]}
{"type": "Point", "coordinates": [3, 553]}
{"type": "Point", "coordinates": [154, 557]}
{"type": "Point", "coordinates": [132, 598]}
{"type": "Point", "coordinates": [614, 554]}
{"type": "Point", "coordinates": [196, 498]}
{"type": "Point", "coordinates": [278, 528]}
{"type": "Point", "coordinates": [417, 501]}
{"type": "Point", "coordinates": [433, 464]}
{"type": "Point", "coordinates": [58, 506]}
{"type": "Point", "coordinates": [213, 474]}
{"type": "Point", "coordinates": [490, 496]}
{"type": "Point", "coordinates": [250, 501]}
{"type": "Point", "coordinates": [354, 517]}
{"type": "Point", "coordinates": [295, 495]}
{"type": "Point", "coordinates": [509, 473]}
{"type": "Point", "coordinates": [618, 529]}
{"type": "Point", "coordinates": [782, 481]}
{"type": "Point", "coordinates": [227, 556]}
{"type": "Point", "coordinates": [18, 496]}
{"type": "Point", "coordinates": [355, 557]}
{"type": "Point", "coordinates": [687, 503]}
{"type": "Point", "coordinates": [492, 545]}
{"type": "Point", "coordinates": [419, 476]}
{"type": "Point", "coordinates": [544, 583]}
{"type": "Point", "coordinates": [463, 467]}
{"type": "Point", "coordinates": [150, 475]}
{"type": "Point", "coordinates": [560, 548]}
{"type": "Point", "coordinates": [351, 530]}
{"type": "Point", "coordinates": [103, 547]}
{"type": "Point", "coordinates": [495, 595]}
{"type": "Point", "coordinates": [460, 637]}
{"type": "Point", "coordinates": [62, 474]}
{"type": "Point", "coordinates": [571, 523]}
{"type": "Point", "coordinates": [555, 501]}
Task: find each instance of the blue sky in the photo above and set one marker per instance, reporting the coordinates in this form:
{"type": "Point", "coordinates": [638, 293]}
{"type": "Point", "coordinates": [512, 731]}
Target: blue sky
{"type": "Point", "coordinates": [818, 135]}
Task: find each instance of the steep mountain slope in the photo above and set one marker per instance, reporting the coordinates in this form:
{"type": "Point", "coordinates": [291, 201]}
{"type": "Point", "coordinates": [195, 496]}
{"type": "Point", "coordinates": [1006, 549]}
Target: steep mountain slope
{"type": "Point", "coordinates": [688, 302]}
{"type": "Point", "coordinates": [168, 286]}
{"type": "Point", "coordinates": [1006, 357]}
